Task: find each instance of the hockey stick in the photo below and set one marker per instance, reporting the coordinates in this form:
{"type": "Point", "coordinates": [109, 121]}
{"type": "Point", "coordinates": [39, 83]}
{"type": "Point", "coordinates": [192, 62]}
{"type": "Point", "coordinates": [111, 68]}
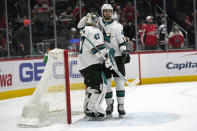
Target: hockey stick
{"type": "Point", "coordinates": [100, 99]}
{"type": "Point", "coordinates": [112, 52]}
{"type": "Point", "coordinates": [114, 67]}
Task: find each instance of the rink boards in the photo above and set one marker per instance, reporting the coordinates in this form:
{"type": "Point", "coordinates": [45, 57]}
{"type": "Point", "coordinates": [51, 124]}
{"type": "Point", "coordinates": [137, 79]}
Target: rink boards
{"type": "Point", "coordinates": [20, 77]}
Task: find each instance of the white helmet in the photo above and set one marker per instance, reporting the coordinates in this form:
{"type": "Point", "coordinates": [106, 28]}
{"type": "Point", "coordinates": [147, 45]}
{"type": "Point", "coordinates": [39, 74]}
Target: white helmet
{"type": "Point", "coordinates": [106, 7]}
{"type": "Point", "coordinates": [149, 17]}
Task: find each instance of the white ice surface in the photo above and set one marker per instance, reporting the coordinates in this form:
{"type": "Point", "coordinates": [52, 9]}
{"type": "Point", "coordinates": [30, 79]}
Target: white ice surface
{"type": "Point", "coordinates": [157, 107]}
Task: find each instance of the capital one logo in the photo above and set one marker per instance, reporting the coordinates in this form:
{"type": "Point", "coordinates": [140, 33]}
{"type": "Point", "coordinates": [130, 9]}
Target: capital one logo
{"type": "Point", "coordinates": [180, 66]}
{"type": "Point", "coordinates": [183, 65]}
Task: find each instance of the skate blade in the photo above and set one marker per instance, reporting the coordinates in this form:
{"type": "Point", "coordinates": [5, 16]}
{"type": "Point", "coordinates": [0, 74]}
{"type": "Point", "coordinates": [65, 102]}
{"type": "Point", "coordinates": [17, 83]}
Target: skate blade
{"type": "Point", "coordinates": [94, 118]}
{"type": "Point", "coordinates": [108, 116]}
{"type": "Point", "coordinates": [121, 116]}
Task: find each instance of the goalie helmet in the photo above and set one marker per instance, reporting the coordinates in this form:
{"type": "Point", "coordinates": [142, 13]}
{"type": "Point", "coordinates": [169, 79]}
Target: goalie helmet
{"type": "Point", "coordinates": [92, 18]}
{"type": "Point", "coordinates": [106, 7]}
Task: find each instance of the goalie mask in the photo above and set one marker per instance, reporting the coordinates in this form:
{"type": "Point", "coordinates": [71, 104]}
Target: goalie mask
{"type": "Point", "coordinates": [92, 18]}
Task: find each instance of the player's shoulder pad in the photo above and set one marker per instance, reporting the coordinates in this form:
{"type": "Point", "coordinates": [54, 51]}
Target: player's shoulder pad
{"type": "Point", "coordinates": [118, 26]}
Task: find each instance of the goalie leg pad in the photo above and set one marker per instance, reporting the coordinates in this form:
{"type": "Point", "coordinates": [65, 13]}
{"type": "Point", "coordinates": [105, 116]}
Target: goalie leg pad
{"type": "Point", "coordinates": [93, 101]}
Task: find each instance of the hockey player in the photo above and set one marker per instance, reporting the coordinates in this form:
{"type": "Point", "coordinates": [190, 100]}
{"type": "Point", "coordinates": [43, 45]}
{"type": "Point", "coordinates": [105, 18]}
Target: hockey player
{"type": "Point", "coordinates": [90, 61]}
{"type": "Point", "coordinates": [114, 38]}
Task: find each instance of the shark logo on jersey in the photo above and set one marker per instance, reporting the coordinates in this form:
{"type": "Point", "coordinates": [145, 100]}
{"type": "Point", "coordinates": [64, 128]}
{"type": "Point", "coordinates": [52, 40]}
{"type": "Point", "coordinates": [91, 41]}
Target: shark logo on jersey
{"type": "Point", "coordinates": [108, 37]}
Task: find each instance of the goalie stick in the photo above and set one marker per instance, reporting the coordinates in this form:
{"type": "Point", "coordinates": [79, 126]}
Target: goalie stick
{"type": "Point", "coordinates": [114, 67]}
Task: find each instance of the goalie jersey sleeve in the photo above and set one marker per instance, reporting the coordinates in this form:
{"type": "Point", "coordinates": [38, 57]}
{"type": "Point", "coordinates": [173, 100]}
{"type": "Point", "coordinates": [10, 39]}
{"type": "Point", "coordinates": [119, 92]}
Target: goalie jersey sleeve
{"type": "Point", "coordinates": [82, 23]}
{"type": "Point", "coordinates": [88, 54]}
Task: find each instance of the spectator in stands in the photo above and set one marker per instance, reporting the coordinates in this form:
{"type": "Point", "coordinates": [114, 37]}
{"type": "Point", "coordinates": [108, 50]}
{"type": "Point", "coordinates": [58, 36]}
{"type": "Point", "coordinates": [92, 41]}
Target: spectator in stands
{"type": "Point", "coordinates": [176, 38]}
{"type": "Point", "coordinates": [41, 15]}
{"type": "Point", "coordinates": [149, 35]}
{"type": "Point", "coordinates": [76, 11]}
{"type": "Point", "coordinates": [141, 25]}
{"type": "Point", "coordinates": [66, 15]}
{"type": "Point", "coordinates": [114, 4]}
{"type": "Point", "coordinates": [3, 49]}
{"type": "Point", "coordinates": [74, 35]}
{"type": "Point", "coordinates": [2, 21]}
{"type": "Point", "coordinates": [191, 35]}
{"type": "Point", "coordinates": [162, 33]}
{"type": "Point", "coordinates": [153, 4]}
{"type": "Point", "coordinates": [188, 20]}
{"type": "Point", "coordinates": [128, 29]}
{"type": "Point", "coordinates": [116, 14]}
{"type": "Point", "coordinates": [65, 18]}
{"type": "Point", "coordinates": [22, 11]}
{"type": "Point", "coordinates": [22, 39]}
{"type": "Point", "coordinates": [128, 12]}
{"type": "Point", "coordinates": [49, 3]}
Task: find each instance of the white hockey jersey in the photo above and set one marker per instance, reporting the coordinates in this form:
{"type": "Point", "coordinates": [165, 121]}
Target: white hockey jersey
{"type": "Point", "coordinates": [87, 51]}
{"type": "Point", "coordinates": [114, 31]}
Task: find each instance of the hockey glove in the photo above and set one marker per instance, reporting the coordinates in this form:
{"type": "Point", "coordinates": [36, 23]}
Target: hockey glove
{"type": "Point", "coordinates": [125, 56]}
{"type": "Point", "coordinates": [108, 64]}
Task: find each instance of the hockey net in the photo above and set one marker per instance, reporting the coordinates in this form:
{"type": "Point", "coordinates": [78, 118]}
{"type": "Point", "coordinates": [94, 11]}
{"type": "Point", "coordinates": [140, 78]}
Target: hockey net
{"type": "Point", "coordinates": [55, 99]}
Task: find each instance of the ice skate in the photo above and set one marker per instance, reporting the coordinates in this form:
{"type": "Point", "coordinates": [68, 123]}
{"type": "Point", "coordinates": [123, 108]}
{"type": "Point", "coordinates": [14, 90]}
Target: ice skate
{"type": "Point", "coordinates": [94, 116]}
{"type": "Point", "coordinates": [121, 110]}
{"type": "Point", "coordinates": [109, 110]}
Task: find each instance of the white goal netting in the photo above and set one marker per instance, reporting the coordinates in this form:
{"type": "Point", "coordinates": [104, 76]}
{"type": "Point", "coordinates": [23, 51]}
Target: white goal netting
{"type": "Point", "coordinates": [48, 103]}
